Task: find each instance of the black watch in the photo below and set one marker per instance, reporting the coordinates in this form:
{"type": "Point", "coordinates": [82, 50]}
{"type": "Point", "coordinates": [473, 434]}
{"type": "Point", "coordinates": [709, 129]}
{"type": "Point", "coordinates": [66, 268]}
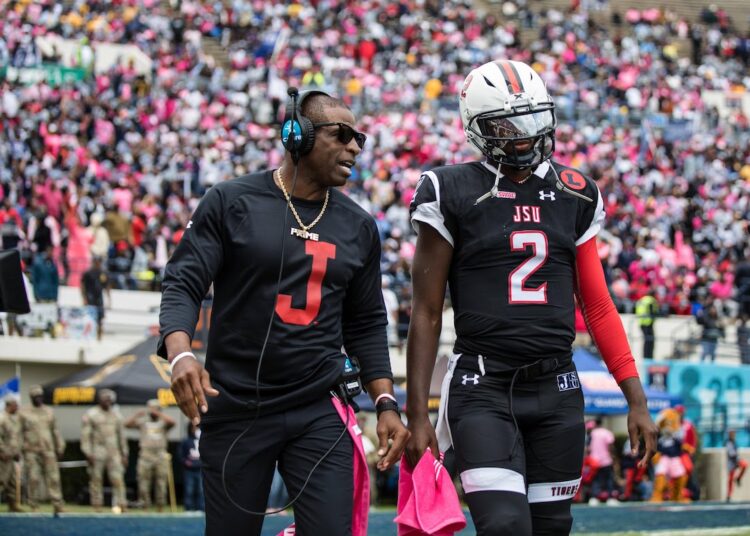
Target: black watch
{"type": "Point", "coordinates": [387, 405]}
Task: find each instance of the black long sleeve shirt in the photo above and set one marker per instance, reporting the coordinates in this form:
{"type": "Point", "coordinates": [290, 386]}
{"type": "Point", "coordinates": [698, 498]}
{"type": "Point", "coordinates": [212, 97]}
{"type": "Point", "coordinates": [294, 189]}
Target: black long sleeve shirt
{"type": "Point", "coordinates": [330, 295]}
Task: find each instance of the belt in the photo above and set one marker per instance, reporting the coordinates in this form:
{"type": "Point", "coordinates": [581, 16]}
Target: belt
{"type": "Point", "coordinates": [525, 373]}
{"type": "Point", "coordinates": [541, 367]}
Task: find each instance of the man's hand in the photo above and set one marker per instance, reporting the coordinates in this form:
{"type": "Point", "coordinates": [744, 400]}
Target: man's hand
{"type": "Point", "coordinates": [422, 437]}
{"type": "Point", "coordinates": [641, 425]}
{"type": "Point", "coordinates": [390, 428]}
{"type": "Point", "coordinates": [190, 385]}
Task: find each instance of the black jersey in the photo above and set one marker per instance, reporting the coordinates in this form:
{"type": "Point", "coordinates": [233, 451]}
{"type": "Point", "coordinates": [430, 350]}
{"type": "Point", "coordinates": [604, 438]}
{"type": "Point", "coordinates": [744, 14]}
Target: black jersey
{"type": "Point", "coordinates": [330, 294]}
{"type": "Point", "coordinates": [511, 279]}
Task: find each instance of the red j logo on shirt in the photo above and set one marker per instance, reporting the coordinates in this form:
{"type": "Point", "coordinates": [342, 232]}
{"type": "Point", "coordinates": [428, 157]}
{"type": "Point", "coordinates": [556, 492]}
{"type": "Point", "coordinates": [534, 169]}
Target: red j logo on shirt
{"type": "Point", "coordinates": [320, 252]}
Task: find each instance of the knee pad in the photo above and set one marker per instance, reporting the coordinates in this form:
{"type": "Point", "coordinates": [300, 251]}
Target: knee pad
{"type": "Point", "coordinates": [551, 518]}
{"type": "Point", "coordinates": [499, 513]}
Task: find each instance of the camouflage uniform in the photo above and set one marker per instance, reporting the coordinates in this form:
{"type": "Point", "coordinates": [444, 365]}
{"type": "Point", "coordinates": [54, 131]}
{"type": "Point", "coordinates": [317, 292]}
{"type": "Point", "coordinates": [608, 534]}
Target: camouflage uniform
{"type": "Point", "coordinates": [103, 440]}
{"type": "Point", "coordinates": [42, 445]}
{"type": "Point", "coordinates": [152, 461]}
{"type": "Point", "coordinates": [10, 453]}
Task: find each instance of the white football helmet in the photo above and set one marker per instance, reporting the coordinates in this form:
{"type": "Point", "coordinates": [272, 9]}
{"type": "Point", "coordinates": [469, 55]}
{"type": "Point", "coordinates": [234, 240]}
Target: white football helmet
{"type": "Point", "coordinates": [508, 115]}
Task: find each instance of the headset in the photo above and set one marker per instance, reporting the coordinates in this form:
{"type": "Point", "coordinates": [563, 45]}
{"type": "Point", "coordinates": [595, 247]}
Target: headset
{"type": "Point", "coordinates": [297, 131]}
{"type": "Point", "coordinates": [298, 138]}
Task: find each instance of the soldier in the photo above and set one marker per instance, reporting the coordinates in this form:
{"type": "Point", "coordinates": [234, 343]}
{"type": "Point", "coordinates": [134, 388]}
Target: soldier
{"type": "Point", "coordinates": [10, 453]}
{"type": "Point", "coordinates": [43, 445]}
{"type": "Point", "coordinates": [104, 445]}
{"type": "Point", "coordinates": [153, 457]}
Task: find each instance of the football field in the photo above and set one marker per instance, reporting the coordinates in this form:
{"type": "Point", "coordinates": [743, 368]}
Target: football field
{"type": "Point", "coordinates": [704, 519]}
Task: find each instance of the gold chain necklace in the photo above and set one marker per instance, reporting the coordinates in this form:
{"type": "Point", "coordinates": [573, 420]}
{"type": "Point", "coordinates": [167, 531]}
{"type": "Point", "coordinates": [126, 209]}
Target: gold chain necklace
{"type": "Point", "coordinates": [526, 178]}
{"type": "Point", "coordinates": [303, 233]}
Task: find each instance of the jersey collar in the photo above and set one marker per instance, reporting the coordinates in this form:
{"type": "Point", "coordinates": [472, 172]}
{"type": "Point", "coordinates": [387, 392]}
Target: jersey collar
{"type": "Point", "coordinates": [540, 171]}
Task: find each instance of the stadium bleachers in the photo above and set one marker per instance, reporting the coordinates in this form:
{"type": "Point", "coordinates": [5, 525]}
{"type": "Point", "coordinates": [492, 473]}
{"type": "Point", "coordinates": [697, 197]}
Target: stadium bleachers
{"type": "Point", "coordinates": [210, 103]}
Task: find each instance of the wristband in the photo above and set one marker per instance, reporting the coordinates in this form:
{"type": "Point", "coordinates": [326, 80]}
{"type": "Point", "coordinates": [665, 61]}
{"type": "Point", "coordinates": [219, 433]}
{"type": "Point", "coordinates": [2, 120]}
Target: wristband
{"type": "Point", "coordinates": [178, 357]}
{"type": "Point", "coordinates": [387, 405]}
{"type": "Point", "coordinates": [385, 395]}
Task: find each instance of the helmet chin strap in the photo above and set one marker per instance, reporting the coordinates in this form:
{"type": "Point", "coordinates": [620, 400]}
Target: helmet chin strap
{"type": "Point", "coordinates": [493, 191]}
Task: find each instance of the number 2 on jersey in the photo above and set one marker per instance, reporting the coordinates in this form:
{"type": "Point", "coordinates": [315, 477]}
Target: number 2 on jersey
{"type": "Point", "coordinates": [518, 292]}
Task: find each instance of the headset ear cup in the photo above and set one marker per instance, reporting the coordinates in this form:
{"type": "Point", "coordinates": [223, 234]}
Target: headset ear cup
{"type": "Point", "coordinates": [308, 135]}
{"type": "Point", "coordinates": [287, 135]}
{"type": "Point", "coordinates": [287, 140]}
{"type": "Point", "coordinates": [306, 131]}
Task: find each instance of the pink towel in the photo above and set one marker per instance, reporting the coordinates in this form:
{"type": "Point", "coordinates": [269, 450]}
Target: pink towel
{"type": "Point", "coordinates": [361, 504]}
{"type": "Point", "coordinates": [427, 500]}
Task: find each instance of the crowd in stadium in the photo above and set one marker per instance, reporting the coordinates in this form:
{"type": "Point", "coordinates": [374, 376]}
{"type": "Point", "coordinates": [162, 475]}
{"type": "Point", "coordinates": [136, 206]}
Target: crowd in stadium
{"type": "Point", "coordinates": [113, 165]}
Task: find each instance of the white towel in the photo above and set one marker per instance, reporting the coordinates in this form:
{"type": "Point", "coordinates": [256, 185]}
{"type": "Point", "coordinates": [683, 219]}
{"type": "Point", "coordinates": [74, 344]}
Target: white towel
{"type": "Point", "coordinates": [442, 430]}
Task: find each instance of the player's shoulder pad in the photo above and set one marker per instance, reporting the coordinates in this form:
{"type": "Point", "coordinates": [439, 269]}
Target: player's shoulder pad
{"type": "Point", "coordinates": [574, 180]}
{"type": "Point", "coordinates": [456, 179]}
{"type": "Point", "coordinates": [457, 172]}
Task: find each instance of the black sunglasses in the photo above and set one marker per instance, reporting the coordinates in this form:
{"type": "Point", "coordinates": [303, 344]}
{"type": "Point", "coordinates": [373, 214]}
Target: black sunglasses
{"type": "Point", "coordinates": [346, 133]}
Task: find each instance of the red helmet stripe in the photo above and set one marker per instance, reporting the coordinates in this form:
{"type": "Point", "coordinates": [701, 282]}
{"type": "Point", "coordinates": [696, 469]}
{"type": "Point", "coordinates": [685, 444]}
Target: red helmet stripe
{"type": "Point", "coordinates": [511, 76]}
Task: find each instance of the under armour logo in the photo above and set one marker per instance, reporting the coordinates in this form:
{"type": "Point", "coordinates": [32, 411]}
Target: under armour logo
{"type": "Point", "coordinates": [189, 225]}
{"type": "Point", "coordinates": [543, 196]}
{"type": "Point", "coordinates": [474, 379]}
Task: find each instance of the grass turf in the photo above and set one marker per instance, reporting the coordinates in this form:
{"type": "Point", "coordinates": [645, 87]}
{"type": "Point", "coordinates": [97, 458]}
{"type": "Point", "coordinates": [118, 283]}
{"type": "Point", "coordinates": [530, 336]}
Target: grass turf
{"type": "Point", "coordinates": [703, 519]}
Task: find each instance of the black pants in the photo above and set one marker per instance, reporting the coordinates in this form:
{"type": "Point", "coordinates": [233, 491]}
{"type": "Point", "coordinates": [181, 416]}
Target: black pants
{"type": "Point", "coordinates": [519, 478]}
{"type": "Point", "coordinates": [297, 439]}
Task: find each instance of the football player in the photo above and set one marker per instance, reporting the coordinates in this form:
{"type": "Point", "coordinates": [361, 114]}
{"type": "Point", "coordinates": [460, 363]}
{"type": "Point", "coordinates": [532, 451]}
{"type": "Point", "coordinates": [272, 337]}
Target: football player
{"type": "Point", "coordinates": [514, 237]}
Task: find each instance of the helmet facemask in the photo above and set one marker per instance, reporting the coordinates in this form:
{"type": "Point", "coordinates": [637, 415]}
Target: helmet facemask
{"type": "Point", "coordinates": [497, 134]}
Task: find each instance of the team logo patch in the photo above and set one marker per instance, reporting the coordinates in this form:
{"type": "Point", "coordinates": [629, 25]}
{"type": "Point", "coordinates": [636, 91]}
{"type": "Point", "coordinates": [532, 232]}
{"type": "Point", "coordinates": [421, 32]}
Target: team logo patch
{"type": "Point", "coordinates": [506, 195]}
{"type": "Point", "coordinates": [572, 179]}
{"type": "Point", "coordinates": [543, 195]}
{"type": "Point", "coordinates": [473, 379]}
{"type": "Point", "coordinates": [568, 381]}
{"type": "Point", "coordinates": [287, 129]}
{"type": "Point", "coordinates": [189, 225]}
